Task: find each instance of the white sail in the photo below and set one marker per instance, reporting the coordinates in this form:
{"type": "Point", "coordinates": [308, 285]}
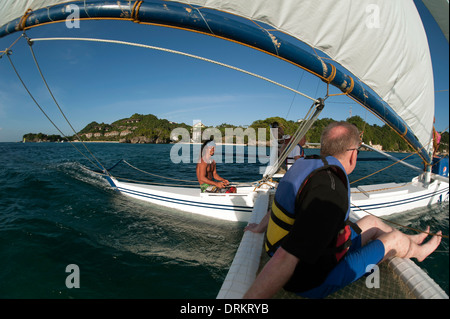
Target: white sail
{"type": "Point", "coordinates": [14, 9]}
{"type": "Point", "coordinates": [383, 43]}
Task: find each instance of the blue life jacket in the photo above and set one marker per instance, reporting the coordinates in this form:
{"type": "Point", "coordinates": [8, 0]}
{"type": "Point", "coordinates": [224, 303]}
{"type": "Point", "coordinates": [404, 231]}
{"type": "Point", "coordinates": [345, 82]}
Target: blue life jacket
{"type": "Point", "coordinates": [283, 208]}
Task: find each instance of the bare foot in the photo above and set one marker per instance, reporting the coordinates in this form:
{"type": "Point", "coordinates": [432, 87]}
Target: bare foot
{"type": "Point", "coordinates": [419, 238]}
{"type": "Point", "coordinates": [426, 249]}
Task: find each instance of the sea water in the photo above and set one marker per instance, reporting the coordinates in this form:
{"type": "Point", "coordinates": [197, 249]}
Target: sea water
{"type": "Point", "coordinates": [55, 214]}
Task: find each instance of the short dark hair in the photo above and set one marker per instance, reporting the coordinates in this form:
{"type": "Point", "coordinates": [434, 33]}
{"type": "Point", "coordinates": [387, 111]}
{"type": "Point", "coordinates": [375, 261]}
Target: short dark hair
{"type": "Point", "coordinates": [337, 144]}
{"type": "Point", "coordinates": [204, 144]}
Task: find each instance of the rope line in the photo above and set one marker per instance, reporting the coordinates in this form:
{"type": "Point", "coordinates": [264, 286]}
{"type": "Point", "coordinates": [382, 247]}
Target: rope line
{"type": "Point", "coordinates": [379, 171]}
{"type": "Point", "coordinates": [151, 174]}
{"type": "Point", "coordinates": [57, 104]}
{"type": "Point", "coordinates": [383, 189]}
{"type": "Point", "coordinates": [174, 179]}
{"type": "Point", "coordinates": [401, 160]}
{"type": "Point", "coordinates": [400, 225]}
{"type": "Point", "coordinates": [293, 98]}
{"type": "Point", "coordinates": [9, 48]}
{"type": "Point", "coordinates": [176, 52]}
{"type": "Point", "coordinates": [43, 112]}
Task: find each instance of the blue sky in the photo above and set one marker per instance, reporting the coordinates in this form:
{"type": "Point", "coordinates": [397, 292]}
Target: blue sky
{"type": "Point", "coordinates": [106, 82]}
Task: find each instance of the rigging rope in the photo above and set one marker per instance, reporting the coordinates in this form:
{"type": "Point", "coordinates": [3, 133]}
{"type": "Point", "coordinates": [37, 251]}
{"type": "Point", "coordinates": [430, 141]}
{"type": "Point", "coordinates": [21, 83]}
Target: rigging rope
{"type": "Point", "coordinates": [42, 110]}
{"type": "Point", "coordinates": [293, 98]}
{"type": "Point", "coordinates": [400, 225]}
{"type": "Point", "coordinates": [175, 52]}
{"type": "Point", "coordinates": [173, 179]}
{"type": "Point", "coordinates": [151, 174]}
{"type": "Point", "coordinates": [57, 104]}
{"type": "Point", "coordinates": [360, 179]}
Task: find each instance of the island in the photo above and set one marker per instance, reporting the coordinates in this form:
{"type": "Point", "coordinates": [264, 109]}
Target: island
{"type": "Point", "coordinates": [149, 129]}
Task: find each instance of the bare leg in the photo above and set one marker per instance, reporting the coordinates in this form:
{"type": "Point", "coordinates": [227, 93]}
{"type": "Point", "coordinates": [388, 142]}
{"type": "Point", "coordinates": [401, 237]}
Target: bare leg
{"type": "Point", "coordinates": [372, 228]}
{"type": "Point", "coordinates": [395, 242]}
{"type": "Point", "coordinates": [419, 238]}
{"type": "Point", "coordinates": [398, 245]}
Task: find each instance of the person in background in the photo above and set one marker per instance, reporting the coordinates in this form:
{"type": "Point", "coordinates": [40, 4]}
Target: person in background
{"type": "Point", "coordinates": [280, 136]}
{"type": "Point", "coordinates": [296, 153]}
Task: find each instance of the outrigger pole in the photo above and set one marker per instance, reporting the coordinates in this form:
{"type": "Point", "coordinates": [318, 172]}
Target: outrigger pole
{"type": "Point", "coordinates": [395, 159]}
{"type": "Point", "coordinates": [418, 169]}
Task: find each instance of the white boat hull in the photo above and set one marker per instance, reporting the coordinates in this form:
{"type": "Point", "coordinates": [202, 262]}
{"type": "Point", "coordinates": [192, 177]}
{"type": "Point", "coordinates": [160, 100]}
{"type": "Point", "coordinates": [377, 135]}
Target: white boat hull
{"type": "Point", "coordinates": [232, 207]}
{"type": "Point", "coordinates": [392, 198]}
{"type": "Point", "coordinates": [378, 200]}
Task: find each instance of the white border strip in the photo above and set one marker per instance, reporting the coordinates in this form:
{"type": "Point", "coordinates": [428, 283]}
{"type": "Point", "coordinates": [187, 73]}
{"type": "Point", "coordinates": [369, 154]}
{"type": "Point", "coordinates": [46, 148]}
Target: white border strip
{"type": "Point", "coordinates": [245, 265]}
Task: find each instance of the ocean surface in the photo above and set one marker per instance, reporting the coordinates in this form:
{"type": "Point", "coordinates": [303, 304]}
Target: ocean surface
{"type": "Point", "coordinates": [54, 213]}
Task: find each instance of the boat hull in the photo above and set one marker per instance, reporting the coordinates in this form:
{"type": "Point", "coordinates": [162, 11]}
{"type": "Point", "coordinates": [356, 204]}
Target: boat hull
{"type": "Point", "coordinates": [392, 198]}
{"type": "Point", "coordinates": [377, 200]}
{"type": "Point", "coordinates": [232, 207]}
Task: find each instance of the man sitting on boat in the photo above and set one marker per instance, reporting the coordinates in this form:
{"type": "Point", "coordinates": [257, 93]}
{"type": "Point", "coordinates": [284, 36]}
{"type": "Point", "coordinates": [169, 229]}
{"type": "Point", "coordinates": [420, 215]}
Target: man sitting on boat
{"type": "Point", "coordinates": [296, 153]}
{"type": "Point", "coordinates": [281, 138]}
{"type": "Point", "coordinates": [207, 176]}
{"type": "Point", "coordinates": [315, 250]}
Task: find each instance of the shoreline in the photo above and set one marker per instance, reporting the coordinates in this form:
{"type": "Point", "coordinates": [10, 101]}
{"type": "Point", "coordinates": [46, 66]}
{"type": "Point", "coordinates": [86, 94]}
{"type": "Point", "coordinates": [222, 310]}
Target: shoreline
{"type": "Point", "coordinates": [195, 143]}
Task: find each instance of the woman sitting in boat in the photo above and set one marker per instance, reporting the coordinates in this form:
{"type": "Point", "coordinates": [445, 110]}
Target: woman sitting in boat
{"type": "Point", "coordinates": [209, 180]}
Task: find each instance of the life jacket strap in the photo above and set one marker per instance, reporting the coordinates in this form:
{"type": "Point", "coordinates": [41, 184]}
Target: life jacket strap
{"type": "Point", "coordinates": [279, 222]}
{"type": "Point", "coordinates": [342, 249]}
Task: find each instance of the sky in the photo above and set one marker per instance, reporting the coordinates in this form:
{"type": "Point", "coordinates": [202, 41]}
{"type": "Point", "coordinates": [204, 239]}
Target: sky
{"type": "Point", "coordinates": [107, 82]}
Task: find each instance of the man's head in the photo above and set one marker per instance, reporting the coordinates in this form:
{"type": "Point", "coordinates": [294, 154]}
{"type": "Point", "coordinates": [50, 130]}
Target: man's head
{"type": "Point", "coordinates": [341, 140]}
{"type": "Point", "coordinates": [302, 141]}
{"type": "Point", "coordinates": [208, 149]}
{"type": "Point", "coordinates": [279, 128]}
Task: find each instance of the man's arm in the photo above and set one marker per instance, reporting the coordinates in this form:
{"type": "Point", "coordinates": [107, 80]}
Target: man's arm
{"type": "Point", "coordinates": [217, 176]}
{"type": "Point", "coordinates": [274, 275]}
{"type": "Point", "coordinates": [262, 226]}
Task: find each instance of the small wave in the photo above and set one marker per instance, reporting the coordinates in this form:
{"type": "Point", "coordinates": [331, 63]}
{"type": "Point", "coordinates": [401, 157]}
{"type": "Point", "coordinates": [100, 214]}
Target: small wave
{"type": "Point", "coordinates": [82, 173]}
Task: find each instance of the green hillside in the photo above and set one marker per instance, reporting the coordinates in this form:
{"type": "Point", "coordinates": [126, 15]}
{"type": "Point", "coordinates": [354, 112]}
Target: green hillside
{"type": "Point", "coordinates": [149, 129]}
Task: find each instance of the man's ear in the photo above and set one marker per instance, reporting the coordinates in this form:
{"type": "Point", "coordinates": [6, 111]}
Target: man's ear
{"type": "Point", "coordinates": [353, 158]}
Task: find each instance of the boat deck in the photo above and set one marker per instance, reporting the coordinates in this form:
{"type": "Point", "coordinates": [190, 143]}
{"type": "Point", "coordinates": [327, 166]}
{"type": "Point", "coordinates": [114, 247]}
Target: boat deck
{"type": "Point", "coordinates": [365, 192]}
{"type": "Point", "coordinates": [390, 198]}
